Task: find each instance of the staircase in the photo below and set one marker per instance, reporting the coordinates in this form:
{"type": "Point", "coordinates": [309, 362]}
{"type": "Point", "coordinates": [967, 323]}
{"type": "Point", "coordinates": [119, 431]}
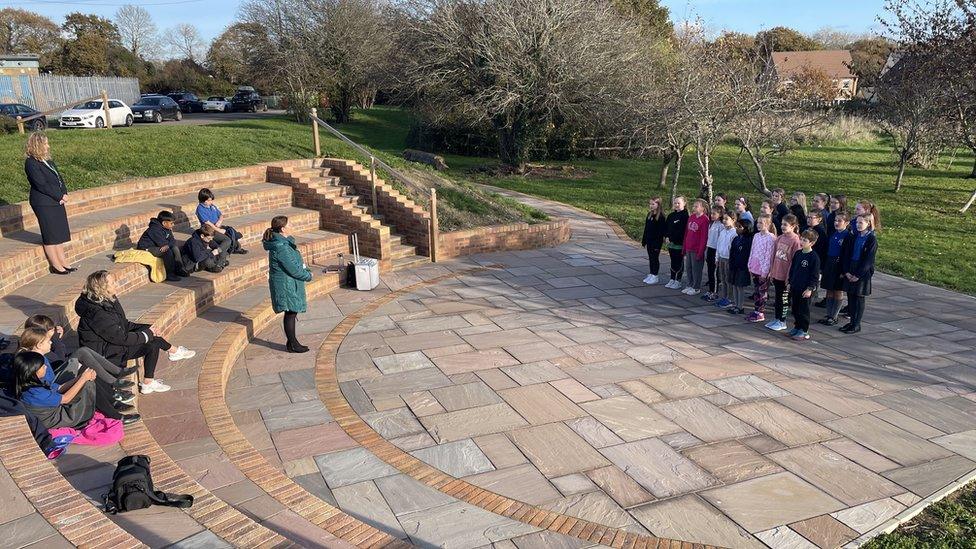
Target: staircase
{"type": "Point", "coordinates": [348, 208]}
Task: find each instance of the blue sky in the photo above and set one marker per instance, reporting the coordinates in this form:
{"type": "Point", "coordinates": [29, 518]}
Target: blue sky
{"type": "Point", "coordinates": [212, 16]}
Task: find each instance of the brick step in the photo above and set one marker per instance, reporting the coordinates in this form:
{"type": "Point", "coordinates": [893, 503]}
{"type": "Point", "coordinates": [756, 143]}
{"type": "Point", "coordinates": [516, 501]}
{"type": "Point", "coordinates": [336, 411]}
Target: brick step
{"type": "Point", "coordinates": [252, 226]}
{"type": "Point", "coordinates": [398, 251]}
{"type": "Point", "coordinates": [22, 259]}
{"type": "Point", "coordinates": [409, 261]}
{"type": "Point", "coordinates": [19, 216]}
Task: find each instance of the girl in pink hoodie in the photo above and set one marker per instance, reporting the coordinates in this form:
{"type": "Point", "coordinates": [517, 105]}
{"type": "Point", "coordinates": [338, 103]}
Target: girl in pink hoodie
{"type": "Point", "coordinates": [695, 241]}
{"type": "Point", "coordinates": [786, 245]}
{"type": "Point", "coordinates": [760, 262]}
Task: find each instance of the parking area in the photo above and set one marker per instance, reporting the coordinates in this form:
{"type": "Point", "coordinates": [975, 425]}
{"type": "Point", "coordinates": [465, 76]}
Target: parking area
{"type": "Point", "coordinates": [202, 118]}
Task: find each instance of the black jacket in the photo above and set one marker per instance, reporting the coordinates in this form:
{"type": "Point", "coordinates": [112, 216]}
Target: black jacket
{"type": "Point", "coordinates": [46, 186]}
{"type": "Point", "coordinates": [655, 229]}
{"type": "Point", "coordinates": [195, 249]}
{"type": "Point", "coordinates": [863, 268]}
{"type": "Point", "coordinates": [739, 251]}
{"type": "Point", "coordinates": [779, 212]}
{"type": "Point", "coordinates": [156, 236]}
{"type": "Point", "coordinates": [677, 222]}
{"type": "Point", "coordinates": [823, 242]}
{"type": "Point", "coordinates": [804, 271]}
{"type": "Point", "coordinates": [103, 328]}
{"type": "Point", "coordinates": [801, 217]}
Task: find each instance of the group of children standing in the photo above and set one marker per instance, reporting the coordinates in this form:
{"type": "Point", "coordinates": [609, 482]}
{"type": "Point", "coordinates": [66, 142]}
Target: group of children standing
{"type": "Point", "coordinates": [794, 249]}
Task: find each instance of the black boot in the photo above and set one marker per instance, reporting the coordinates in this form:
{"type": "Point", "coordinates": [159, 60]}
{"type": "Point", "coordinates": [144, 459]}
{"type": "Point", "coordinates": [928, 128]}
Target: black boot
{"type": "Point", "coordinates": [296, 347]}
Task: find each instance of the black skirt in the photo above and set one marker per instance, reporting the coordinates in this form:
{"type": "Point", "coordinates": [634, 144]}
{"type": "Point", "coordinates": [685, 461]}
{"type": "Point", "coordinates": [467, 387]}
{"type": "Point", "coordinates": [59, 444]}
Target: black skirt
{"type": "Point", "coordinates": [831, 278]}
{"type": "Point", "coordinates": [739, 278]}
{"type": "Point", "coordinates": [54, 224]}
{"type": "Point", "coordinates": [861, 288]}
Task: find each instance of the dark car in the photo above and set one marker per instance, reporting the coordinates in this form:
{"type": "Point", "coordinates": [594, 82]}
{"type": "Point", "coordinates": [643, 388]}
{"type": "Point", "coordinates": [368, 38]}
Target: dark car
{"type": "Point", "coordinates": [187, 101]}
{"type": "Point", "coordinates": [248, 100]}
{"type": "Point", "coordinates": [13, 110]}
{"type": "Point", "coordinates": [156, 108]}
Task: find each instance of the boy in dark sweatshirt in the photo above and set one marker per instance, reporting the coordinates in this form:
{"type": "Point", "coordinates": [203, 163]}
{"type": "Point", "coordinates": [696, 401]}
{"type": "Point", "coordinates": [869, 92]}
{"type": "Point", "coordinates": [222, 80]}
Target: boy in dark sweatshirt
{"type": "Point", "coordinates": [804, 278]}
{"type": "Point", "coordinates": [815, 221]}
{"type": "Point", "coordinates": [201, 253]}
{"type": "Point", "coordinates": [158, 240]}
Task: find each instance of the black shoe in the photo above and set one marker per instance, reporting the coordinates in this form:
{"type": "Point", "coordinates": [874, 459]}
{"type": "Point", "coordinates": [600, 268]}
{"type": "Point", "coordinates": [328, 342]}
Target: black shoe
{"type": "Point", "coordinates": [827, 321]}
{"type": "Point", "coordinates": [54, 271]}
{"type": "Point", "coordinates": [71, 269]}
{"type": "Point", "coordinates": [122, 384]}
{"type": "Point", "coordinates": [851, 330]}
{"type": "Point", "coordinates": [126, 372]}
{"type": "Point", "coordinates": [296, 348]}
{"type": "Point", "coordinates": [122, 407]}
{"type": "Point", "coordinates": [822, 304]}
{"type": "Point", "coordinates": [124, 397]}
{"type": "Point", "coordinates": [130, 419]}
{"type": "Point", "coordinates": [240, 251]}
{"type": "Point", "coordinates": [845, 310]}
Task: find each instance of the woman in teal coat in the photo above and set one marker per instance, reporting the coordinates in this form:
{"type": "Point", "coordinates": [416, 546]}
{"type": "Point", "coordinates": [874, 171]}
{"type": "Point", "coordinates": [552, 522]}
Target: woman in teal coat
{"type": "Point", "coordinates": [287, 275]}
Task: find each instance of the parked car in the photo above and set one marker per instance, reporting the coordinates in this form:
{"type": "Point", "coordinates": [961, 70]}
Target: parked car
{"type": "Point", "coordinates": [91, 115]}
{"type": "Point", "coordinates": [217, 103]}
{"type": "Point", "coordinates": [156, 108]}
{"type": "Point", "coordinates": [246, 99]}
{"type": "Point", "coordinates": [13, 110]}
{"type": "Point", "coordinates": [187, 101]}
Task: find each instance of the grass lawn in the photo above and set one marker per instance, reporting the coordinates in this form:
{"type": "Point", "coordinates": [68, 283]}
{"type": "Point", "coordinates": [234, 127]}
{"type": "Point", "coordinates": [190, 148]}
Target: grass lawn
{"type": "Point", "coordinates": [949, 524]}
{"type": "Point", "coordinates": [924, 237]}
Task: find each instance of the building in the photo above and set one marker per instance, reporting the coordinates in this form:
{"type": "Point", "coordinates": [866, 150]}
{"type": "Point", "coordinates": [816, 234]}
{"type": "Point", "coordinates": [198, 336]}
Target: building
{"type": "Point", "coordinates": [19, 64]}
{"type": "Point", "coordinates": [836, 64]}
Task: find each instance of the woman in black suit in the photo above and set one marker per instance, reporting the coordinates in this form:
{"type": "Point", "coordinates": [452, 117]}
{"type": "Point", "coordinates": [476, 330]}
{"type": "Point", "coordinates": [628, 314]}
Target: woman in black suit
{"type": "Point", "coordinates": [48, 195]}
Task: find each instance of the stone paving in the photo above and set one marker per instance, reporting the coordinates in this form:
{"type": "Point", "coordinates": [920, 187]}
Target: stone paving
{"type": "Point", "coordinates": [563, 382]}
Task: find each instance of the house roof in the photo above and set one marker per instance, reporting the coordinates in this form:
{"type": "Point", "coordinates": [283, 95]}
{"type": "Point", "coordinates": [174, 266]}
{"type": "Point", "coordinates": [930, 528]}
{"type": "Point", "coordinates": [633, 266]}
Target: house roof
{"type": "Point", "coordinates": [834, 63]}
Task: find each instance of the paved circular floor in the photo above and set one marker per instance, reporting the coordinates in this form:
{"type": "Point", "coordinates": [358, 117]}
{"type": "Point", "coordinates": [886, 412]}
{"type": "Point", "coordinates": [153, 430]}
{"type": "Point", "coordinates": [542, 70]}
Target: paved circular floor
{"type": "Point", "coordinates": [556, 378]}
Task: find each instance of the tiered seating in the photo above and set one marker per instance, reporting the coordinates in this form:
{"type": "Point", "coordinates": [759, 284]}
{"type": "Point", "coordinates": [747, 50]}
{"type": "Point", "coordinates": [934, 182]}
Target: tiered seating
{"type": "Point", "coordinates": [100, 225]}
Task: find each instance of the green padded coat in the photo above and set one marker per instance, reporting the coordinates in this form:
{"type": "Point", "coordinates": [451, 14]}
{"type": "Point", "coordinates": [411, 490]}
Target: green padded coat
{"type": "Point", "coordinates": [287, 274]}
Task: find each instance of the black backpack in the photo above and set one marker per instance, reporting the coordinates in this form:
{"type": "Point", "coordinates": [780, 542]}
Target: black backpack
{"type": "Point", "coordinates": [132, 488]}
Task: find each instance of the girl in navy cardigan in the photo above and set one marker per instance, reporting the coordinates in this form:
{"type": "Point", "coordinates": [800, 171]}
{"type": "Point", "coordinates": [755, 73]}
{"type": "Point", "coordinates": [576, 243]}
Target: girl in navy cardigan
{"type": "Point", "coordinates": [857, 264]}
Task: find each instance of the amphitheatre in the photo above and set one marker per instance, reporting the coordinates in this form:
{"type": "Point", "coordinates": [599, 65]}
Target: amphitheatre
{"type": "Point", "coordinates": [524, 390]}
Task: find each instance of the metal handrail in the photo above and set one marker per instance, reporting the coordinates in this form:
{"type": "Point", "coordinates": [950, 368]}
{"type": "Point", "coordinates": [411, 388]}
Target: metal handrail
{"type": "Point", "coordinates": [372, 157]}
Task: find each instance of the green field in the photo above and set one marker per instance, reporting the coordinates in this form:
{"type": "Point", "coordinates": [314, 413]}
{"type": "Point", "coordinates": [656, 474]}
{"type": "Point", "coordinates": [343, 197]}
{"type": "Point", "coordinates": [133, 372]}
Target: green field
{"type": "Point", "coordinates": [924, 237]}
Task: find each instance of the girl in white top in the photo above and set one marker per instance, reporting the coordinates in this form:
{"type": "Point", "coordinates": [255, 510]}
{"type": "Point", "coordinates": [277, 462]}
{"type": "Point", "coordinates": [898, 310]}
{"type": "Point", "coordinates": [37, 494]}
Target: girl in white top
{"type": "Point", "coordinates": [724, 244]}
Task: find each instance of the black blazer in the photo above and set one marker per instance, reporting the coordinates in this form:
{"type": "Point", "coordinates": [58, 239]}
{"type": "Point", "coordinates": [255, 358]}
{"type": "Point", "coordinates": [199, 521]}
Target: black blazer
{"type": "Point", "coordinates": [47, 188]}
{"type": "Point", "coordinates": [863, 268]}
{"type": "Point", "coordinates": [103, 328]}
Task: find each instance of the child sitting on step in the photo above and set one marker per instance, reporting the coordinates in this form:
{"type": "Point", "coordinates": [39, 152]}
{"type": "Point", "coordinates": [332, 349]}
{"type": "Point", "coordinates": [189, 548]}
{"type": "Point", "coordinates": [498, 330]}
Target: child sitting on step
{"type": "Point", "coordinates": [210, 215]}
{"type": "Point", "coordinates": [201, 253]}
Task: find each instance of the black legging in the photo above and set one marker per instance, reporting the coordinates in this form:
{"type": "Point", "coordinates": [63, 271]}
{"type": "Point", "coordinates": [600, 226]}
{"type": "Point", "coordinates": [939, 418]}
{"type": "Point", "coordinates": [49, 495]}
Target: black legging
{"type": "Point", "coordinates": [150, 351]}
{"type": "Point", "coordinates": [654, 260]}
{"type": "Point", "coordinates": [677, 263]}
{"type": "Point", "coordinates": [290, 318]}
{"type": "Point", "coordinates": [855, 306]}
{"type": "Point", "coordinates": [710, 263]}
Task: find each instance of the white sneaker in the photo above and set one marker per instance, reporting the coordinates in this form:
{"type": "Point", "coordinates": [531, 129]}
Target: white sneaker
{"type": "Point", "coordinates": [651, 279]}
{"type": "Point", "coordinates": [155, 386]}
{"type": "Point", "coordinates": [778, 326]}
{"type": "Point", "coordinates": [693, 291]}
{"type": "Point", "coordinates": [647, 279]}
{"type": "Point", "coordinates": [182, 353]}
{"type": "Point", "coordinates": [670, 285]}
{"type": "Point", "coordinates": [771, 323]}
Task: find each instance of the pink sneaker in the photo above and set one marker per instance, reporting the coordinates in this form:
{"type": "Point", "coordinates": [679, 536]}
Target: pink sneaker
{"type": "Point", "coordinates": [756, 317]}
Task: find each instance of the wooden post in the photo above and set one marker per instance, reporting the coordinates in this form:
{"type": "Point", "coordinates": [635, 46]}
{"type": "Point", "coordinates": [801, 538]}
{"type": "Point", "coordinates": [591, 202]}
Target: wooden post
{"type": "Point", "coordinates": [372, 183]}
{"type": "Point", "coordinates": [433, 225]}
{"type": "Point", "coordinates": [20, 124]}
{"type": "Point", "coordinates": [315, 133]}
{"type": "Point", "coordinates": [108, 114]}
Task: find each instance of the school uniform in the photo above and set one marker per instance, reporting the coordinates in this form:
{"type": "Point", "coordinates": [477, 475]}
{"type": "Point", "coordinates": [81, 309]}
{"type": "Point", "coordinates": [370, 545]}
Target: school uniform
{"type": "Point", "coordinates": [738, 273]}
{"type": "Point", "coordinates": [801, 217]}
{"type": "Point", "coordinates": [859, 262]}
{"type": "Point", "coordinates": [677, 223]}
{"type": "Point", "coordinates": [154, 238]}
{"type": "Point", "coordinates": [804, 275]}
{"type": "Point", "coordinates": [832, 278]}
{"type": "Point", "coordinates": [44, 400]}
{"type": "Point", "coordinates": [229, 240]}
{"type": "Point", "coordinates": [780, 211]}
{"type": "Point", "coordinates": [655, 229]}
{"type": "Point", "coordinates": [198, 255]}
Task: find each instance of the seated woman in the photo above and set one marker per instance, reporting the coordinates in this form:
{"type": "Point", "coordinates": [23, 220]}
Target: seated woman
{"type": "Point", "coordinates": [106, 371]}
{"type": "Point", "coordinates": [71, 403]}
{"type": "Point", "coordinates": [103, 328]}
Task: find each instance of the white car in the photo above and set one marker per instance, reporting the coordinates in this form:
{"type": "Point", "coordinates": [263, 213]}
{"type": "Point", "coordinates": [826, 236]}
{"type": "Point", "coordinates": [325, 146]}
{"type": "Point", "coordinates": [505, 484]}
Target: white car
{"type": "Point", "coordinates": [91, 115]}
{"type": "Point", "coordinates": [217, 103]}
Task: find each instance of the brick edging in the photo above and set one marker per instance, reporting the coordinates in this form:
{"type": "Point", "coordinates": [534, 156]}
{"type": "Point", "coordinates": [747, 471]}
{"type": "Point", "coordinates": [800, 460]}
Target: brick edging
{"type": "Point", "coordinates": [212, 385]}
{"type": "Point", "coordinates": [329, 392]}
{"type": "Point", "coordinates": [63, 507]}
{"type": "Point", "coordinates": [503, 238]}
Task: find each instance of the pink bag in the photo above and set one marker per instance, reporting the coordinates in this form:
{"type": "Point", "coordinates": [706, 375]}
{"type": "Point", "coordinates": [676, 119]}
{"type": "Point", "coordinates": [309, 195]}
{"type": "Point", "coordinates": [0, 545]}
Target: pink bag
{"type": "Point", "coordinates": [100, 431]}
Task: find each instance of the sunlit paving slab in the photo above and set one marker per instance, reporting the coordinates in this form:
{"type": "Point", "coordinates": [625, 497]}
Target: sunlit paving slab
{"type": "Point", "coordinates": [564, 383]}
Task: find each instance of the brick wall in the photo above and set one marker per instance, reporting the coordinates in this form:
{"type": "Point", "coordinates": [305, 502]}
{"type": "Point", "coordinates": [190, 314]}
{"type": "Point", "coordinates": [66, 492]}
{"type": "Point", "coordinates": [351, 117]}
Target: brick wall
{"type": "Point", "coordinates": [409, 219]}
{"type": "Point", "coordinates": [499, 238]}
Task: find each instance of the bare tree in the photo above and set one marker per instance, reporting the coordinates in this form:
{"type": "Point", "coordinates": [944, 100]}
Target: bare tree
{"type": "Point", "coordinates": [137, 29]}
{"type": "Point", "coordinates": [517, 65]}
{"type": "Point", "coordinates": [185, 42]}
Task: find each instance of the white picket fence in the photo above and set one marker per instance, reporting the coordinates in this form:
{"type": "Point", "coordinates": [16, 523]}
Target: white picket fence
{"type": "Point", "coordinates": [49, 91]}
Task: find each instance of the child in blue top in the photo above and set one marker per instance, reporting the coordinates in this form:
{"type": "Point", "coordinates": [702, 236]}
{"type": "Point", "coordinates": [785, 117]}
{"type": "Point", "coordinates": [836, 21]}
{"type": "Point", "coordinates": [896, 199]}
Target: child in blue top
{"type": "Point", "coordinates": [226, 238]}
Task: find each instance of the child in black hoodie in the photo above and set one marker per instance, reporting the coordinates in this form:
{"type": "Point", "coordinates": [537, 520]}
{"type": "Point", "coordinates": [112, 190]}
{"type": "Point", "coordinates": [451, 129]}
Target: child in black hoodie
{"type": "Point", "coordinates": [201, 253]}
{"type": "Point", "coordinates": [655, 228]}
{"type": "Point", "coordinates": [677, 222]}
{"type": "Point", "coordinates": [804, 279]}
{"type": "Point", "coordinates": [739, 277]}
{"type": "Point", "coordinates": [158, 240]}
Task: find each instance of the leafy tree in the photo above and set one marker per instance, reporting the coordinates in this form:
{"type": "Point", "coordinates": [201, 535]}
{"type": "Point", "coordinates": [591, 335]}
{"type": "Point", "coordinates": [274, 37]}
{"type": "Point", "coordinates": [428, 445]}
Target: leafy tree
{"type": "Point", "coordinates": [77, 25]}
{"type": "Point", "coordinates": [868, 57]}
{"type": "Point", "coordinates": [23, 31]}
{"type": "Point", "coordinates": [784, 39]}
{"type": "Point", "coordinates": [235, 55]}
